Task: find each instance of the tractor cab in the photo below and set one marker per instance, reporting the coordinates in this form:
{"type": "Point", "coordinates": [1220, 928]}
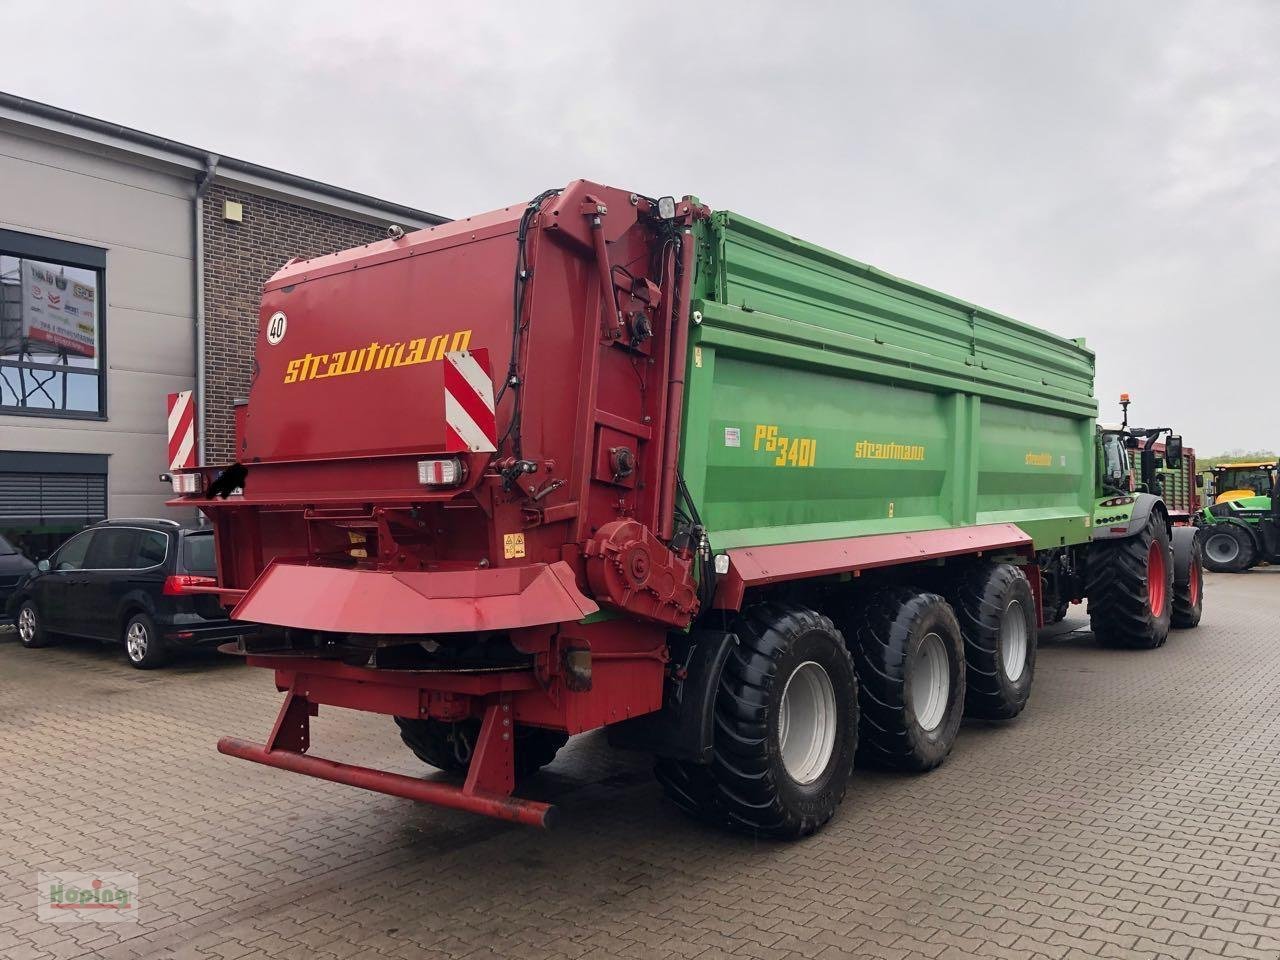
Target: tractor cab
{"type": "Point", "coordinates": [1238, 481]}
{"type": "Point", "coordinates": [1117, 442]}
{"type": "Point", "coordinates": [1117, 470]}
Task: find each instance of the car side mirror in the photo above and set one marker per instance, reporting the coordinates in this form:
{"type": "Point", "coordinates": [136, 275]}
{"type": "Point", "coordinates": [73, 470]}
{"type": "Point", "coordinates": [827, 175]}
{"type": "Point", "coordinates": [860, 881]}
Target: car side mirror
{"type": "Point", "coordinates": [1173, 452]}
{"type": "Point", "coordinates": [1200, 480]}
{"type": "Point", "coordinates": [43, 566]}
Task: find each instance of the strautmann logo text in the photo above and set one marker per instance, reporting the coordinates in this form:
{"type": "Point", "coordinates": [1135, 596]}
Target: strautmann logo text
{"type": "Point", "coordinates": [903, 452]}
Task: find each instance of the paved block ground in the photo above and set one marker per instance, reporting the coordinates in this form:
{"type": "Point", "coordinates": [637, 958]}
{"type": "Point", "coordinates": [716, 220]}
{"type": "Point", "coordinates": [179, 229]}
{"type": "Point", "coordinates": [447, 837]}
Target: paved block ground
{"type": "Point", "coordinates": [1133, 811]}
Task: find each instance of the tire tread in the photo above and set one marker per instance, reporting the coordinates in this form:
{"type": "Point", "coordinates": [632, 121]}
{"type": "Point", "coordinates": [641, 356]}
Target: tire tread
{"type": "Point", "coordinates": [1119, 612]}
{"type": "Point", "coordinates": [739, 789]}
{"type": "Point", "coordinates": [881, 629]}
{"type": "Point", "coordinates": [979, 596]}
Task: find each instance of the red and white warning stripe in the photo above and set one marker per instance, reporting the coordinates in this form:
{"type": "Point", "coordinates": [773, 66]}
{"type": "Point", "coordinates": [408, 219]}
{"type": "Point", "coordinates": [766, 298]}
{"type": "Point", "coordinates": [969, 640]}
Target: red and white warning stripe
{"type": "Point", "coordinates": [470, 424]}
{"type": "Point", "coordinates": [182, 430]}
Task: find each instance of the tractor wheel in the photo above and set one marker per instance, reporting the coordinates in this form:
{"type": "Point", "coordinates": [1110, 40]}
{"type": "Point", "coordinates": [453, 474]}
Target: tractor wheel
{"type": "Point", "coordinates": [996, 611]}
{"type": "Point", "coordinates": [1188, 595]}
{"type": "Point", "coordinates": [1130, 588]}
{"type": "Point", "coordinates": [910, 661]}
{"type": "Point", "coordinates": [448, 746]}
{"type": "Point", "coordinates": [1227, 548]}
{"type": "Point", "coordinates": [786, 728]}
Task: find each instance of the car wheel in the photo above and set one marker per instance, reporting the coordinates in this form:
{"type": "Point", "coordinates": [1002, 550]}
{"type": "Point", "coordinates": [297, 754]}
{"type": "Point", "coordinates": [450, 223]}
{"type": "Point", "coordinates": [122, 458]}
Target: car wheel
{"type": "Point", "coordinates": [143, 644]}
{"type": "Point", "coordinates": [31, 626]}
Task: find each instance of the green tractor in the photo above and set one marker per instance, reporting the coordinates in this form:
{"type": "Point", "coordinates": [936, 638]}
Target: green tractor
{"type": "Point", "coordinates": [1241, 533]}
{"type": "Point", "coordinates": [1143, 568]}
{"type": "Point", "coordinates": [1235, 481]}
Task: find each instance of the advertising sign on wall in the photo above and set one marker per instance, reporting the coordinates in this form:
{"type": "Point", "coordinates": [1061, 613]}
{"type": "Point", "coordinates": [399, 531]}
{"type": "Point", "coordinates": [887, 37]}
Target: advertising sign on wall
{"type": "Point", "coordinates": [58, 311]}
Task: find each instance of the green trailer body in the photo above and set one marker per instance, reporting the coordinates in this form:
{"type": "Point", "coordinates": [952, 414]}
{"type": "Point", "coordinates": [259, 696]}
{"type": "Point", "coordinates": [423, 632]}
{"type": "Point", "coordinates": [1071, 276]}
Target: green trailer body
{"type": "Point", "coordinates": [827, 399]}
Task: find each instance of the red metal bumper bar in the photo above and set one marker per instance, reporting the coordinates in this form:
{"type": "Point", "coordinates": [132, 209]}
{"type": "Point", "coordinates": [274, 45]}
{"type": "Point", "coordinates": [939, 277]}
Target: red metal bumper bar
{"type": "Point", "coordinates": [487, 790]}
{"type": "Point", "coordinates": [529, 812]}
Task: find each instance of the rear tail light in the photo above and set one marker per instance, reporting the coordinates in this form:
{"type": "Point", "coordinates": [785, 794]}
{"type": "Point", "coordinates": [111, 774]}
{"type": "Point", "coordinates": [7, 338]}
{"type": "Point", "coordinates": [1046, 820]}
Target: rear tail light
{"type": "Point", "coordinates": [440, 473]}
{"type": "Point", "coordinates": [186, 483]}
{"type": "Point", "coordinates": [176, 585]}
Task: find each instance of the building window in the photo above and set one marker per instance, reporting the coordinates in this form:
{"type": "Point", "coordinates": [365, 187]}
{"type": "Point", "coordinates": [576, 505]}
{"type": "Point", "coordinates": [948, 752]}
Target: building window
{"type": "Point", "coordinates": [52, 296]}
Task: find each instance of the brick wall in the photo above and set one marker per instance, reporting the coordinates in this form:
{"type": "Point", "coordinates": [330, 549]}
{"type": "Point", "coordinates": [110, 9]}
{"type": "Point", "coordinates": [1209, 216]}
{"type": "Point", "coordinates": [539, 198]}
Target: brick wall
{"type": "Point", "coordinates": [238, 259]}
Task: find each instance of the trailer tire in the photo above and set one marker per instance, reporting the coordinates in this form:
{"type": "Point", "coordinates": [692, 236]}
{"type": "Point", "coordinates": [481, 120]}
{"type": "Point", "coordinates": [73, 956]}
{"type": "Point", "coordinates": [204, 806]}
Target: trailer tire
{"type": "Point", "coordinates": [1228, 548]}
{"type": "Point", "coordinates": [447, 746]}
{"type": "Point", "coordinates": [761, 780]}
{"type": "Point", "coordinates": [1127, 607]}
{"type": "Point", "coordinates": [910, 661]}
{"type": "Point", "coordinates": [690, 787]}
{"type": "Point", "coordinates": [1188, 584]}
{"type": "Point", "coordinates": [996, 611]}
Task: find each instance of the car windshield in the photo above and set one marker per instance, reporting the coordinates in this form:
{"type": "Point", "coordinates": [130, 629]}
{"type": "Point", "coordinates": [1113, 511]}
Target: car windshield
{"type": "Point", "coordinates": [197, 553]}
{"type": "Point", "coordinates": [6, 548]}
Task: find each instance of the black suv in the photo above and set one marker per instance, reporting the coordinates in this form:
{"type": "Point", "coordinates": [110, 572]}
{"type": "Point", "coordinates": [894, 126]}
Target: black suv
{"type": "Point", "coordinates": [13, 567]}
{"type": "Point", "coordinates": [122, 580]}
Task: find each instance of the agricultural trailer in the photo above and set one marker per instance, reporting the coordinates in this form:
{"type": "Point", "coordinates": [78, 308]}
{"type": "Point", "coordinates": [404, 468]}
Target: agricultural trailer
{"type": "Point", "coordinates": [606, 460]}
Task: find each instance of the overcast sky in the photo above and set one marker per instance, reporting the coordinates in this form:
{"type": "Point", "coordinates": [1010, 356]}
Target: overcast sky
{"type": "Point", "coordinates": [1108, 170]}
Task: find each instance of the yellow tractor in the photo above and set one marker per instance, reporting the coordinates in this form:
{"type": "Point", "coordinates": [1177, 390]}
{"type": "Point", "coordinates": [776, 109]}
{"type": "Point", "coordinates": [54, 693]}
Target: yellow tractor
{"type": "Point", "coordinates": [1235, 481]}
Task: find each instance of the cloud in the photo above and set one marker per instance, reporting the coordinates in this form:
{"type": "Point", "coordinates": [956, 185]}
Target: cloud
{"type": "Point", "coordinates": [1102, 170]}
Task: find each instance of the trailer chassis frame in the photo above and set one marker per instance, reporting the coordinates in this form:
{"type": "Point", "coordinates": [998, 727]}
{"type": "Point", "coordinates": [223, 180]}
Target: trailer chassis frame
{"type": "Point", "coordinates": [490, 776]}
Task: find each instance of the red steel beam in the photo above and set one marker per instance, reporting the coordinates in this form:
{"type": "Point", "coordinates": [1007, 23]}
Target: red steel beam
{"type": "Point", "coordinates": [514, 809]}
{"type": "Point", "coordinates": [777, 563]}
{"type": "Point", "coordinates": [680, 321]}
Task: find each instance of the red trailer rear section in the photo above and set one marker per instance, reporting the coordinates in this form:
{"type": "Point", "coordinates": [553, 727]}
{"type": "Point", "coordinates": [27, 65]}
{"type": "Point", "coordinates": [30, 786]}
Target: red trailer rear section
{"type": "Point", "coordinates": [354, 528]}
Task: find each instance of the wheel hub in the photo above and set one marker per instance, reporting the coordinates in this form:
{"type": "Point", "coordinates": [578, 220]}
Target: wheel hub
{"type": "Point", "coordinates": [931, 682]}
{"type": "Point", "coordinates": [1156, 578]}
{"type": "Point", "coordinates": [26, 625]}
{"type": "Point", "coordinates": [807, 721]}
{"type": "Point", "coordinates": [1222, 547]}
{"type": "Point", "coordinates": [136, 641]}
{"type": "Point", "coordinates": [1013, 641]}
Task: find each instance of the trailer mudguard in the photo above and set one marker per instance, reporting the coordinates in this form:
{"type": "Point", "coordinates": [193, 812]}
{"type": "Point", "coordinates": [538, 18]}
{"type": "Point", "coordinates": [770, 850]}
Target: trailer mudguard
{"type": "Point", "coordinates": [682, 729]}
{"type": "Point", "coordinates": [1142, 507]}
{"type": "Point", "coordinates": [751, 567]}
{"type": "Point", "coordinates": [1184, 539]}
{"type": "Point", "coordinates": [346, 600]}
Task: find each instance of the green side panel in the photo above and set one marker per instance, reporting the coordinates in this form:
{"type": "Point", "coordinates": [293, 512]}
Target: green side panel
{"type": "Point", "coordinates": [1178, 488]}
{"type": "Point", "coordinates": [1247, 508]}
{"type": "Point", "coordinates": [1035, 469]}
{"type": "Point", "coordinates": [827, 399]}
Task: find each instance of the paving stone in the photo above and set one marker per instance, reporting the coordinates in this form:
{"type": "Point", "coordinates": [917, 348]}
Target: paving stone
{"type": "Point", "coordinates": [1130, 812]}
